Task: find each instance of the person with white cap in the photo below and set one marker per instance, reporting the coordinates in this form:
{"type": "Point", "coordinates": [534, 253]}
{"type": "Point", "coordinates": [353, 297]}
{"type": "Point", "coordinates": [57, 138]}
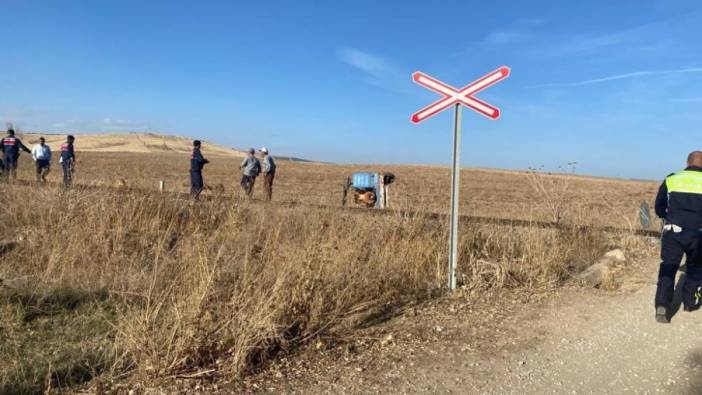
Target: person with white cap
{"type": "Point", "coordinates": [268, 173]}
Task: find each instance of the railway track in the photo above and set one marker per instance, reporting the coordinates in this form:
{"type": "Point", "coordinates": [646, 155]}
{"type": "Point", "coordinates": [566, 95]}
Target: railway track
{"type": "Point", "coordinates": [463, 219]}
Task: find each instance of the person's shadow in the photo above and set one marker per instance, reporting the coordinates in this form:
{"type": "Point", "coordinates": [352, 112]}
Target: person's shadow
{"type": "Point", "coordinates": [677, 296]}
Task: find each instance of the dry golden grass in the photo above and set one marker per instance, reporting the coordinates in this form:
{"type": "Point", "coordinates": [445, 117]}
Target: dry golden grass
{"type": "Point", "coordinates": [121, 284]}
{"type": "Point", "coordinates": [489, 193]}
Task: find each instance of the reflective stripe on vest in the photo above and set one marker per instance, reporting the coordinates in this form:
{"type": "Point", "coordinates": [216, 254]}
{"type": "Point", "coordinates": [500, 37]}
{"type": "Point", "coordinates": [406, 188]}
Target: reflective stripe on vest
{"type": "Point", "coordinates": [686, 181]}
{"type": "Point", "coordinates": [64, 147]}
{"type": "Point", "coordinates": [9, 141]}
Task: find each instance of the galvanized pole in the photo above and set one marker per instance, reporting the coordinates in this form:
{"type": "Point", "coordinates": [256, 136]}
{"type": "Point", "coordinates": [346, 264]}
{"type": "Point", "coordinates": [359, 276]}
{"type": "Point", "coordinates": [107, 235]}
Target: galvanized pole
{"type": "Point", "coordinates": [455, 178]}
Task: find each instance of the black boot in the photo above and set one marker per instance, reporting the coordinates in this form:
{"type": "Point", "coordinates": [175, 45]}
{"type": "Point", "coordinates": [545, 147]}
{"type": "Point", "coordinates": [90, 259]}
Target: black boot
{"type": "Point", "coordinates": [662, 315]}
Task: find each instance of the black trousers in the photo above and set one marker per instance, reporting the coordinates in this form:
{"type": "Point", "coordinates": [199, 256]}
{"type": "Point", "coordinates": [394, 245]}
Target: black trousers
{"type": "Point", "coordinates": [247, 183]}
{"type": "Point", "coordinates": [43, 166]}
{"type": "Point", "coordinates": [196, 183]}
{"type": "Point", "coordinates": [673, 247]}
{"type": "Point", "coordinates": [10, 165]}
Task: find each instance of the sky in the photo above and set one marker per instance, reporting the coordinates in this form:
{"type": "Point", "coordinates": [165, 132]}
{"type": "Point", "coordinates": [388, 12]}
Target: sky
{"type": "Point", "coordinates": [615, 86]}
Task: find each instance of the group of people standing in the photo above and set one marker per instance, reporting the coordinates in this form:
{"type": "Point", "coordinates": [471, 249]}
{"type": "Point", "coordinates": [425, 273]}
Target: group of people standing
{"type": "Point", "coordinates": [41, 153]}
{"type": "Point", "coordinates": [251, 167]}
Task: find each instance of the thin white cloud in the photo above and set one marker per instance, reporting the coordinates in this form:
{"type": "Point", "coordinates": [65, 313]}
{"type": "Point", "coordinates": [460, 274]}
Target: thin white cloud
{"type": "Point", "coordinates": [654, 38]}
{"type": "Point", "coordinates": [366, 62]}
{"type": "Point", "coordinates": [688, 100]}
{"type": "Point", "coordinates": [616, 77]}
{"type": "Point", "coordinates": [519, 31]}
{"type": "Point", "coordinates": [376, 70]}
{"type": "Point", "coordinates": [507, 36]}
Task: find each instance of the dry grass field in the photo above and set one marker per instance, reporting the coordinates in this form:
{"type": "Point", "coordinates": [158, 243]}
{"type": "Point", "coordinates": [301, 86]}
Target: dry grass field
{"type": "Point", "coordinates": [140, 161]}
{"type": "Point", "coordinates": [103, 285]}
{"type": "Point", "coordinates": [132, 142]}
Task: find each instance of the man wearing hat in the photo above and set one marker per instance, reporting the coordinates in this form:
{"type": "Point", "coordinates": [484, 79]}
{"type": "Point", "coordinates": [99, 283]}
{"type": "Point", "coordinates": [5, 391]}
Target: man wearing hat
{"type": "Point", "coordinates": [251, 168]}
{"type": "Point", "coordinates": [197, 162]}
{"type": "Point", "coordinates": [268, 173]}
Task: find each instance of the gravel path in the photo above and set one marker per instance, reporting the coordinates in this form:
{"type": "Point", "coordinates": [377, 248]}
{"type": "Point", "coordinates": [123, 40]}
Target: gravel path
{"type": "Point", "coordinates": [580, 342]}
{"type": "Point", "coordinates": [592, 343]}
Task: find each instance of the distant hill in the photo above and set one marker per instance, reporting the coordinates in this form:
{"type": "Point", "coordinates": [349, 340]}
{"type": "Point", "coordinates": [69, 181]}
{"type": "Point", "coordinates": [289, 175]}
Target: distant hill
{"type": "Point", "coordinates": [131, 142]}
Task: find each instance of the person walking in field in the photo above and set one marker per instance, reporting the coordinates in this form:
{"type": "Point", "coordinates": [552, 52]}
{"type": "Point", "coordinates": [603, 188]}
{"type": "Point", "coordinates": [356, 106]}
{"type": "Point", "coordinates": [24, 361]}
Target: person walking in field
{"type": "Point", "coordinates": [68, 160]}
{"type": "Point", "coordinates": [41, 153]}
{"type": "Point", "coordinates": [197, 162]}
{"type": "Point", "coordinates": [679, 205]}
{"type": "Point", "coordinates": [11, 147]}
{"type": "Point", "coordinates": [268, 174]}
{"type": "Point", "coordinates": [251, 168]}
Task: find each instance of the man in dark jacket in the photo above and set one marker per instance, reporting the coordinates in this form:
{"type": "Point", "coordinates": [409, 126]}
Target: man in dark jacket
{"type": "Point", "coordinates": [679, 204]}
{"type": "Point", "coordinates": [11, 147]}
{"type": "Point", "coordinates": [68, 160]}
{"type": "Point", "coordinates": [197, 162]}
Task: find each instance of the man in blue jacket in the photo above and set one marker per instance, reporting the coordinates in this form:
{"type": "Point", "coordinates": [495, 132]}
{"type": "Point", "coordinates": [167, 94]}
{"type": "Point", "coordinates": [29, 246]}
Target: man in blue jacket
{"type": "Point", "coordinates": [11, 147]}
{"type": "Point", "coordinates": [679, 204]}
{"type": "Point", "coordinates": [197, 162]}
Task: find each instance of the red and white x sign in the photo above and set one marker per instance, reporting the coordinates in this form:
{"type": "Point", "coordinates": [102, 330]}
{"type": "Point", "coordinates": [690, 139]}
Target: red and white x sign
{"type": "Point", "coordinates": [463, 96]}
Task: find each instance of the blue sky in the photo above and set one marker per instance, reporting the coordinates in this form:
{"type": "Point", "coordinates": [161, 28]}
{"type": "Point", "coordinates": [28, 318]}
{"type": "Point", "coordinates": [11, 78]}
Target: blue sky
{"type": "Point", "coordinates": [615, 86]}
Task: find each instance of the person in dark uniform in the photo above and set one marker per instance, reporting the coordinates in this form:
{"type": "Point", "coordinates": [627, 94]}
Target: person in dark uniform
{"type": "Point", "coordinates": [679, 205]}
{"type": "Point", "coordinates": [68, 160]}
{"type": "Point", "coordinates": [11, 147]}
{"type": "Point", "coordinates": [197, 162]}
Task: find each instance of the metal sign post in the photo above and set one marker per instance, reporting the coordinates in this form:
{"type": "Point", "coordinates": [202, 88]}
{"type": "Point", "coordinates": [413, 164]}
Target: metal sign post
{"type": "Point", "coordinates": [455, 181]}
{"type": "Point", "coordinates": [455, 97]}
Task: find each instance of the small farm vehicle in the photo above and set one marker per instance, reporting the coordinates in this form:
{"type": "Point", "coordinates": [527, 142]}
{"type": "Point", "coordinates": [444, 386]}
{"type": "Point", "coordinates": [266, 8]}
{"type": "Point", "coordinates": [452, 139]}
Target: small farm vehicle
{"type": "Point", "coordinates": [368, 189]}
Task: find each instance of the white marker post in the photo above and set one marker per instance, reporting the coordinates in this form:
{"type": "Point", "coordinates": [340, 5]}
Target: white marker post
{"type": "Point", "coordinates": [455, 97]}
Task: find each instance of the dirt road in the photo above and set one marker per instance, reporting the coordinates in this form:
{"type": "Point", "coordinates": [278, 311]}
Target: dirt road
{"type": "Point", "coordinates": [580, 342]}
{"type": "Point", "coordinates": [599, 344]}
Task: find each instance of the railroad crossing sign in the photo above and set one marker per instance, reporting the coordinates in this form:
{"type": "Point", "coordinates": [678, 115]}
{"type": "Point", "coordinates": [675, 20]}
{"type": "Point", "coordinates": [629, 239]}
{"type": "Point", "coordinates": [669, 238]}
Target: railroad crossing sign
{"type": "Point", "coordinates": [457, 97]}
{"type": "Point", "coordinates": [454, 96]}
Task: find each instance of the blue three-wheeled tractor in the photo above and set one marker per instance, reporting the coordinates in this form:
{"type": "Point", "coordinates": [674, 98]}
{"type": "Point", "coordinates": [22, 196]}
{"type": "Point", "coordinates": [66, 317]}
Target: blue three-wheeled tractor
{"type": "Point", "coordinates": [368, 189]}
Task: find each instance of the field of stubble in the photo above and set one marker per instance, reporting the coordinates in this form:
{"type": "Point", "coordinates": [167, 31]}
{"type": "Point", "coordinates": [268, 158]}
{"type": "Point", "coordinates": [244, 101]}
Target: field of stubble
{"type": "Point", "coordinates": [489, 193]}
{"type": "Point", "coordinates": [109, 285]}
